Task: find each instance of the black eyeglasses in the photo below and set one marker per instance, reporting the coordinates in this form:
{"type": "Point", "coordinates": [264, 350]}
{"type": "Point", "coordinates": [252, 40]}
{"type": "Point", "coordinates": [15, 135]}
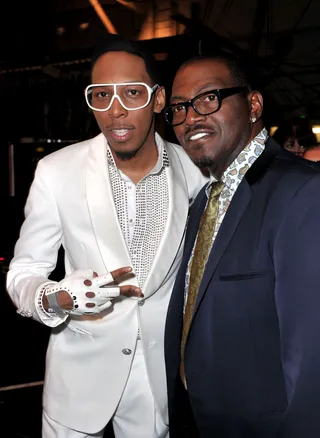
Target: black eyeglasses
{"type": "Point", "coordinates": [204, 104]}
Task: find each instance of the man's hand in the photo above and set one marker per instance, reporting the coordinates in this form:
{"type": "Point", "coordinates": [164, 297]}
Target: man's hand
{"type": "Point", "coordinates": [84, 292]}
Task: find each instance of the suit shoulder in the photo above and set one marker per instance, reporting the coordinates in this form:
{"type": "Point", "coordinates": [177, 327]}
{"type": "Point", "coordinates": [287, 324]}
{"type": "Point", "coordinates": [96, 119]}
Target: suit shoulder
{"type": "Point", "coordinates": [287, 178]}
{"type": "Point", "coordinates": [184, 158]}
{"type": "Point", "coordinates": [294, 168]}
{"type": "Point", "coordinates": [64, 165]}
{"type": "Point", "coordinates": [71, 152]}
{"type": "Point", "coordinates": [195, 179]}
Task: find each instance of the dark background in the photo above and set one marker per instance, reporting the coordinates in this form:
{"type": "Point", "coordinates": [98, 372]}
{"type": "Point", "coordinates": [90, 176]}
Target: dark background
{"type": "Point", "coordinates": [44, 67]}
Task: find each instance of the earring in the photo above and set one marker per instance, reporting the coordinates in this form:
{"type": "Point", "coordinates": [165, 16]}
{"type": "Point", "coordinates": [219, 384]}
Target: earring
{"type": "Point", "coordinates": [253, 119]}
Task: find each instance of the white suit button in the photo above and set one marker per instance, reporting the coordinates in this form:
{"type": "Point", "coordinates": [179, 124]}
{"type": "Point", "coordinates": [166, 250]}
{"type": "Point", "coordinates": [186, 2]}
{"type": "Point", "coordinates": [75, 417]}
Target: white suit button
{"type": "Point", "coordinates": [141, 302]}
{"type": "Point", "coordinates": [126, 351]}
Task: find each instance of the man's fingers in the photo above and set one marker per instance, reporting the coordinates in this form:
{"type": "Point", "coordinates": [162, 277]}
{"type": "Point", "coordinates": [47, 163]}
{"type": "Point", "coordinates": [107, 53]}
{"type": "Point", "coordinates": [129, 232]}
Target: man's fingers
{"type": "Point", "coordinates": [102, 280]}
{"type": "Point", "coordinates": [109, 292]}
{"type": "Point", "coordinates": [89, 282]}
{"type": "Point", "coordinates": [117, 273]}
{"type": "Point", "coordinates": [110, 277]}
{"type": "Point", "coordinates": [131, 291]}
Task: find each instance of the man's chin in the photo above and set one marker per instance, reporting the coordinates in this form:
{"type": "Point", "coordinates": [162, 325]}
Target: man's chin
{"type": "Point", "coordinates": [126, 155]}
{"type": "Point", "coordinates": [197, 154]}
{"type": "Point", "coordinates": [202, 162]}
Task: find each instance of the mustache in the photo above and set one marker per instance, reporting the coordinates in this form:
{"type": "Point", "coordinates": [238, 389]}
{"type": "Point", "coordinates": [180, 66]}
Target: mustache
{"type": "Point", "coordinates": [198, 127]}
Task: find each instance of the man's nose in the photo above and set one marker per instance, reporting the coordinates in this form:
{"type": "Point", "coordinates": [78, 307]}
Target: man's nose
{"type": "Point", "coordinates": [193, 117]}
{"type": "Point", "coordinates": [117, 110]}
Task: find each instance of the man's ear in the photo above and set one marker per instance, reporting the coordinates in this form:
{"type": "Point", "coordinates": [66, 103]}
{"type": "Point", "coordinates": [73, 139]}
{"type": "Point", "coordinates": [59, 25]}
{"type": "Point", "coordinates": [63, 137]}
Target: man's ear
{"type": "Point", "coordinates": [256, 104]}
{"type": "Point", "coordinates": [160, 100]}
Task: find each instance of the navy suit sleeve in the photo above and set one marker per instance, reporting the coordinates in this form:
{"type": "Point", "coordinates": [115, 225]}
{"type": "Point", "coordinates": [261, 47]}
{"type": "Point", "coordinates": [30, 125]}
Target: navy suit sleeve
{"type": "Point", "coordinates": [297, 293]}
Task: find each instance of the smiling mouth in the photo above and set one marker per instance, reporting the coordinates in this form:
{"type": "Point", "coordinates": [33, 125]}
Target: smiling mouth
{"type": "Point", "coordinates": [120, 132]}
{"type": "Point", "coordinates": [199, 135]}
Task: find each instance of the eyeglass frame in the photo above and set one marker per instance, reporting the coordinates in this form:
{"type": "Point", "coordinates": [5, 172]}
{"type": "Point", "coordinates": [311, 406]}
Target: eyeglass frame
{"type": "Point", "coordinates": [221, 94]}
{"type": "Point", "coordinates": [151, 90]}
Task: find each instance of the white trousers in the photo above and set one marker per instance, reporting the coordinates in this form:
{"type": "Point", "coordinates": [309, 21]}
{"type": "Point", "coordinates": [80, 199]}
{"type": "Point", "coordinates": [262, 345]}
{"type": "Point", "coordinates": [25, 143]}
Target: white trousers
{"type": "Point", "coordinates": [136, 415]}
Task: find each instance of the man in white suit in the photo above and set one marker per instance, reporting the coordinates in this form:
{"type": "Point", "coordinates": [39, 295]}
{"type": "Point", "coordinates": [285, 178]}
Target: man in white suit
{"type": "Point", "coordinates": [118, 200]}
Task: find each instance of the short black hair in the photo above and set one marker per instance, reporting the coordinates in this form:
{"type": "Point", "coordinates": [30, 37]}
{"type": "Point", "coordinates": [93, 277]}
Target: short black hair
{"type": "Point", "coordinates": [117, 43]}
{"type": "Point", "coordinates": [236, 67]}
{"type": "Point", "coordinates": [298, 127]}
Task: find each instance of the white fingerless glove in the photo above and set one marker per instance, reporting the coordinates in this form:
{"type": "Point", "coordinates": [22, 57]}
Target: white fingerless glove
{"type": "Point", "coordinates": [74, 285]}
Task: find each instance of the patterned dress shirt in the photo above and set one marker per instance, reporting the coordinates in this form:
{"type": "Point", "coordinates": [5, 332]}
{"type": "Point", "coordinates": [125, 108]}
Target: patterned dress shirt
{"type": "Point", "coordinates": [232, 178]}
{"type": "Point", "coordinates": [142, 211]}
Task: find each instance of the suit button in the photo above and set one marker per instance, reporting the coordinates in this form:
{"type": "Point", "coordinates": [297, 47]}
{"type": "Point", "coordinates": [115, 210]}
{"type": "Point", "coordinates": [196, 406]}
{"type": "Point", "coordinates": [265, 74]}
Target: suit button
{"type": "Point", "coordinates": [141, 302]}
{"type": "Point", "coordinates": [126, 351]}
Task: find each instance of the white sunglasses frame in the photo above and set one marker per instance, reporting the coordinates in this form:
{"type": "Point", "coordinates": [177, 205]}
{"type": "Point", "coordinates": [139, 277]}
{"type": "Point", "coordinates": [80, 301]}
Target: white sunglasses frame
{"type": "Point", "coordinates": [151, 90]}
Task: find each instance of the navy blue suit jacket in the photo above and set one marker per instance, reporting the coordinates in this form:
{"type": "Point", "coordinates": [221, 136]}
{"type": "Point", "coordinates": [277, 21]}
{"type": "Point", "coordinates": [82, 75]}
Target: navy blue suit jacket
{"type": "Point", "coordinates": [252, 356]}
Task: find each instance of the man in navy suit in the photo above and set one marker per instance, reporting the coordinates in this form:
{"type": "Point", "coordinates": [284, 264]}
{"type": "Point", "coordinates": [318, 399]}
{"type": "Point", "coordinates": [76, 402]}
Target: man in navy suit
{"type": "Point", "coordinates": [242, 332]}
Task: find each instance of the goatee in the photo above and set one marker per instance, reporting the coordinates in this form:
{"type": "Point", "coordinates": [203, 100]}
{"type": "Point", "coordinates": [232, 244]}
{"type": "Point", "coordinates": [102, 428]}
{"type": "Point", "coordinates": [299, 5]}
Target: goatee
{"type": "Point", "coordinates": [204, 162]}
{"type": "Point", "coordinates": [126, 156]}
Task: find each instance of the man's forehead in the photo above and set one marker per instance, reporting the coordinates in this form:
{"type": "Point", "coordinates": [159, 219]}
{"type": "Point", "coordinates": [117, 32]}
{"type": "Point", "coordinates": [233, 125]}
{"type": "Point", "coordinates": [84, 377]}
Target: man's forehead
{"type": "Point", "coordinates": [119, 67]}
{"type": "Point", "coordinates": [118, 60]}
{"type": "Point", "coordinates": [190, 82]}
{"type": "Point", "coordinates": [201, 70]}
{"type": "Point", "coordinates": [117, 55]}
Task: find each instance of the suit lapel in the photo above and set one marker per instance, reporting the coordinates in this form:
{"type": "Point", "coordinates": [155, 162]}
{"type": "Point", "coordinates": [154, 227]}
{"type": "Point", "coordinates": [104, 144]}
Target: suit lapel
{"type": "Point", "coordinates": [194, 223]}
{"type": "Point", "coordinates": [175, 226]}
{"type": "Point", "coordinates": [177, 298]}
{"type": "Point", "coordinates": [228, 227]}
{"type": "Point", "coordinates": [103, 214]}
{"type": "Point", "coordinates": [235, 212]}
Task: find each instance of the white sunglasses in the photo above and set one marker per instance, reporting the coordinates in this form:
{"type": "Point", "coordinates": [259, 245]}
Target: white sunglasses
{"type": "Point", "coordinates": [133, 95]}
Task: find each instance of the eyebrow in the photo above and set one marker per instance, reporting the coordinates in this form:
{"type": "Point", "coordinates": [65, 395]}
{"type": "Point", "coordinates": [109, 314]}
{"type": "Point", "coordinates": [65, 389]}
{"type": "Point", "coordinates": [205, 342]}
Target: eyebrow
{"type": "Point", "coordinates": [180, 98]}
{"type": "Point", "coordinates": [115, 83]}
{"type": "Point", "coordinates": [202, 89]}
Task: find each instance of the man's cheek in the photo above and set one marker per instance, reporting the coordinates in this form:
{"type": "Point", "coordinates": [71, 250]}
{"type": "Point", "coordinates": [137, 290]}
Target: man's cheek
{"type": "Point", "coordinates": [179, 136]}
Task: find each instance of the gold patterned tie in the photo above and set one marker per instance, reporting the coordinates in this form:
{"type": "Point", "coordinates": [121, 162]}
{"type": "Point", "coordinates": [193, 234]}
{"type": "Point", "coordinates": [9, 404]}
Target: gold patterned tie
{"type": "Point", "coordinates": [199, 260]}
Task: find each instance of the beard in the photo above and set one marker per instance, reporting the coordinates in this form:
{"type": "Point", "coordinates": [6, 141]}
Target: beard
{"type": "Point", "coordinates": [126, 156]}
{"type": "Point", "coordinates": [129, 155]}
{"type": "Point", "coordinates": [204, 162]}
{"type": "Point", "coordinates": [216, 166]}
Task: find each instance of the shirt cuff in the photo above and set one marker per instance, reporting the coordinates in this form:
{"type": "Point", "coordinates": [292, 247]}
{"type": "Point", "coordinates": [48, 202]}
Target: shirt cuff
{"type": "Point", "coordinates": [48, 317]}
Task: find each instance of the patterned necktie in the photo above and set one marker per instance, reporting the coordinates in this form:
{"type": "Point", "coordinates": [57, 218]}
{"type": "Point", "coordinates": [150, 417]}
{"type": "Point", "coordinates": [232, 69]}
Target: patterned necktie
{"type": "Point", "coordinates": [199, 260]}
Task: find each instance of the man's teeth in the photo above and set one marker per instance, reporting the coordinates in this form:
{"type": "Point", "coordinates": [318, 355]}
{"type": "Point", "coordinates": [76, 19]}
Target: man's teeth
{"type": "Point", "coordinates": [197, 136]}
{"type": "Point", "coordinates": [120, 132]}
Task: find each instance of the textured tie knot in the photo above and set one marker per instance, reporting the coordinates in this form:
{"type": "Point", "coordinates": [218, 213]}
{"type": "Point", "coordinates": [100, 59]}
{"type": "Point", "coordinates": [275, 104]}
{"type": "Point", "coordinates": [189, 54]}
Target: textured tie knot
{"type": "Point", "coordinates": [216, 189]}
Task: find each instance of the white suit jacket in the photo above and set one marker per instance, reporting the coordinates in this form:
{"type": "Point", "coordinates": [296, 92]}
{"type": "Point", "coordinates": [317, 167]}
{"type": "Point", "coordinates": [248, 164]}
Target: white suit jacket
{"type": "Point", "coordinates": [71, 203]}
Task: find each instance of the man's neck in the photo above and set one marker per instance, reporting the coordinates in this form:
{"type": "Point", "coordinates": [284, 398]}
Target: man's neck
{"type": "Point", "coordinates": [218, 170]}
{"type": "Point", "coordinates": [137, 167]}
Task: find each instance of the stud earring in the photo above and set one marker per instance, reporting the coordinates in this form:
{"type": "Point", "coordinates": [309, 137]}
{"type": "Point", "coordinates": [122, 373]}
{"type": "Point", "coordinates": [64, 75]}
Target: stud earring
{"type": "Point", "coordinates": [253, 119]}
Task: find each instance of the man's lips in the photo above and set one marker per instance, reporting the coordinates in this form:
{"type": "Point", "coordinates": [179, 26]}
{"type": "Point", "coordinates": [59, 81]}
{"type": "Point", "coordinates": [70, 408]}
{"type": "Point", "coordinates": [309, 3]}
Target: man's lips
{"type": "Point", "coordinates": [198, 134]}
{"type": "Point", "coordinates": [121, 133]}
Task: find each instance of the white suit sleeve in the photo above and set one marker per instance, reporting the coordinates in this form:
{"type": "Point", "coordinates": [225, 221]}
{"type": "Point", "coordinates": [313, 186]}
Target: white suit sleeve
{"type": "Point", "coordinates": [36, 251]}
